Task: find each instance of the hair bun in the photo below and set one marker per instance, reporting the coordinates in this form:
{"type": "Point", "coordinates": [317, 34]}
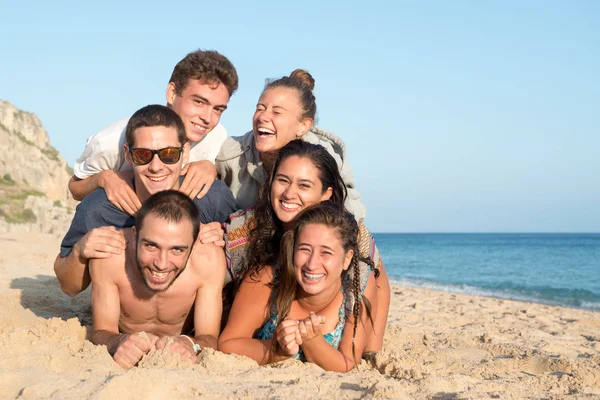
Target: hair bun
{"type": "Point", "coordinates": [305, 77]}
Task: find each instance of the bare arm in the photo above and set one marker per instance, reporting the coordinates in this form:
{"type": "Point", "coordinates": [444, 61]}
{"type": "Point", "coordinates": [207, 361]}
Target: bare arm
{"type": "Point", "coordinates": [80, 188]}
{"type": "Point", "coordinates": [126, 349]}
{"type": "Point", "coordinates": [118, 189]}
{"type": "Point", "coordinates": [106, 305]}
{"type": "Point", "coordinates": [248, 313]}
{"type": "Point", "coordinates": [72, 271]}
{"type": "Point", "coordinates": [210, 266]}
{"type": "Point", "coordinates": [318, 351]}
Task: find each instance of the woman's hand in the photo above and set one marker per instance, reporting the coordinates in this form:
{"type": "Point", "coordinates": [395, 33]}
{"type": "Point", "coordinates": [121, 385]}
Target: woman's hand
{"type": "Point", "coordinates": [288, 337]}
{"type": "Point", "coordinates": [311, 327]}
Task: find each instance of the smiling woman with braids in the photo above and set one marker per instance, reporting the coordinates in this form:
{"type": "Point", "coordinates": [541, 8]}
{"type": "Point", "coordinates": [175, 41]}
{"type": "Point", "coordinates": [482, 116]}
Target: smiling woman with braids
{"type": "Point", "coordinates": [304, 175]}
{"type": "Point", "coordinates": [300, 309]}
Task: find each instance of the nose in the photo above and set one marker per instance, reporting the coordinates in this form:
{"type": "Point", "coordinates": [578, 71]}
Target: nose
{"type": "Point", "coordinates": [312, 261]}
{"type": "Point", "coordinates": [161, 262]}
{"type": "Point", "coordinates": [289, 192]}
{"type": "Point", "coordinates": [204, 114]}
{"type": "Point", "coordinates": [155, 164]}
{"type": "Point", "coordinates": [262, 116]}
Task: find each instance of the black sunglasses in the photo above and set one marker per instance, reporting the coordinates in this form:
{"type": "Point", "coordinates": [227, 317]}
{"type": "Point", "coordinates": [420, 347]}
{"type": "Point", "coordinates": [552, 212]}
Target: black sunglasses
{"type": "Point", "coordinates": [168, 155]}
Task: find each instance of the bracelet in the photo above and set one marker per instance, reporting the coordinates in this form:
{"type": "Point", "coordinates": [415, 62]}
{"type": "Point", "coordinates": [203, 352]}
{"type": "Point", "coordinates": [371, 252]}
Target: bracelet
{"type": "Point", "coordinates": [195, 345]}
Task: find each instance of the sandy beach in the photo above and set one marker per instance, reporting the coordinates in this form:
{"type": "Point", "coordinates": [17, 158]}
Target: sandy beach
{"type": "Point", "coordinates": [438, 345]}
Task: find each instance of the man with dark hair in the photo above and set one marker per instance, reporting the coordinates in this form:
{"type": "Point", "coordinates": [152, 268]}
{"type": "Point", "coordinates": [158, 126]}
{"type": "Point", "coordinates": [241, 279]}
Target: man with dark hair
{"type": "Point", "coordinates": [156, 149]}
{"type": "Point", "coordinates": [199, 90]}
{"type": "Point", "coordinates": [150, 297]}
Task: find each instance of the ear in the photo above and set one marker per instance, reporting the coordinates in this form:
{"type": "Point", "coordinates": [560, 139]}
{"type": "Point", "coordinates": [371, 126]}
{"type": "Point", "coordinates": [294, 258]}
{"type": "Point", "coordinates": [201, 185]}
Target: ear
{"type": "Point", "coordinates": [127, 155]}
{"type": "Point", "coordinates": [171, 93]}
{"type": "Point", "coordinates": [348, 259]}
{"type": "Point", "coordinates": [327, 194]}
{"type": "Point", "coordinates": [304, 127]}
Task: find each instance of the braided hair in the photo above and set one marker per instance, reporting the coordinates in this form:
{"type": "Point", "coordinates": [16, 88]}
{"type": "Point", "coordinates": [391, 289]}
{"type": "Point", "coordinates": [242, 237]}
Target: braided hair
{"type": "Point", "coordinates": [333, 216]}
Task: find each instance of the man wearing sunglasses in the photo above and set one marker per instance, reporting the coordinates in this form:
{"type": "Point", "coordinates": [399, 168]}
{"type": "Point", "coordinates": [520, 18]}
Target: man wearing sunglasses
{"type": "Point", "coordinates": [199, 90]}
{"type": "Point", "coordinates": [156, 149]}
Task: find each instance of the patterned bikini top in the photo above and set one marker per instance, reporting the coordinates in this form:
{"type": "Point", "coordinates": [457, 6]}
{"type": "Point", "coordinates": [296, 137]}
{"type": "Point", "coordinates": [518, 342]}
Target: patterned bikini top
{"type": "Point", "coordinates": [267, 331]}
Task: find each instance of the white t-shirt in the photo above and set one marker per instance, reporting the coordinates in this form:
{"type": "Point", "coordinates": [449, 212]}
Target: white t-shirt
{"type": "Point", "coordinates": [104, 150]}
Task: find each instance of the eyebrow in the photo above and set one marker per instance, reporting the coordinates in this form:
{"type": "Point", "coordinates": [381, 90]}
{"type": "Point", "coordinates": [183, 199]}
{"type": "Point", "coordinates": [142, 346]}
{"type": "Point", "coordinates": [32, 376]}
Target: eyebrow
{"type": "Point", "coordinates": [320, 246]}
{"type": "Point", "coordinates": [299, 180]}
{"type": "Point", "coordinates": [204, 99]}
{"type": "Point", "coordinates": [153, 243]}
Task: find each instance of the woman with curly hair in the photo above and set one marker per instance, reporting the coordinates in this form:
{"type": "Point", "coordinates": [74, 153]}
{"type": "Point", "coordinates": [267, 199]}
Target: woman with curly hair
{"type": "Point", "coordinates": [303, 175]}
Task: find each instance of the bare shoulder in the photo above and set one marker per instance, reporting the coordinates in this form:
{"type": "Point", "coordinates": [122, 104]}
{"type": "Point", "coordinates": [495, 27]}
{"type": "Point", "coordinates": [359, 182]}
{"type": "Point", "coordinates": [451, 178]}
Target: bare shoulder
{"type": "Point", "coordinates": [208, 262]}
{"type": "Point", "coordinates": [264, 276]}
{"type": "Point", "coordinates": [103, 270]}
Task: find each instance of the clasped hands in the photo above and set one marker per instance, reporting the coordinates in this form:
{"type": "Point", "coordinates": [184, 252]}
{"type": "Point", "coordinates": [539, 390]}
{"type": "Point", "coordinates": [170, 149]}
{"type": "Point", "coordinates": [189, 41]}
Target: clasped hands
{"type": "Point", "coordinates": [291, 333]}
{"type": "Point", "coordinates": [132, 347]}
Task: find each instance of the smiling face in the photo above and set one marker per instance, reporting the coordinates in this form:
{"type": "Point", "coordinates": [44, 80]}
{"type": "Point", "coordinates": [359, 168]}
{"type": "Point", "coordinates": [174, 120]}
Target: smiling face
{"type": "Point", "coordinates": [296, 185]}
{"type": "Point", "coordinates": [277, 119]}
{"type": "Point", "coordinates": [162, 250]}
{"type": "Point", "coordinates": [320, 259]}
{"type": "Point", "coordinates": [156, 176]}
{"type": "Point", "coordinates": [200, 106]}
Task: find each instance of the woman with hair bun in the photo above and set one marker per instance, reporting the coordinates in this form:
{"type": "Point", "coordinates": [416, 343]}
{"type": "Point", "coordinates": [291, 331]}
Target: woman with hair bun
{"type": "Point", "coordinates": [286, 110]}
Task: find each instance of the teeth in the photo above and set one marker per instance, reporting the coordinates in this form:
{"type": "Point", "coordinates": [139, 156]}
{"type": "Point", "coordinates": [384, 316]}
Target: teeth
{"type": "Point", "coordinates": [198, 126]}
{"type": "Point", "coordinates": [265, 130]}
{"type": "Point", "coordinates": [290, 205]}
{"type": "Point", "coordinates": [162, 178]}
{"type": "Point", "coordinates": [312, 277]}
{"type": "Point", "coordinates": [159, 275]}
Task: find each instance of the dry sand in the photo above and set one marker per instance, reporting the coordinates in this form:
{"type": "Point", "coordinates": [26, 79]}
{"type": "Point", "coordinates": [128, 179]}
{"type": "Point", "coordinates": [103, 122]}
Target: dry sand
{"type": "Point", "coordinates": [438, 345]}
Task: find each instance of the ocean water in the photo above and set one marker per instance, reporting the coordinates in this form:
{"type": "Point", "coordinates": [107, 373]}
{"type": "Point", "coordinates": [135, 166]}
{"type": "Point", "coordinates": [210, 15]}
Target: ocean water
{"type": "Point", "coordinates": [558, 269]}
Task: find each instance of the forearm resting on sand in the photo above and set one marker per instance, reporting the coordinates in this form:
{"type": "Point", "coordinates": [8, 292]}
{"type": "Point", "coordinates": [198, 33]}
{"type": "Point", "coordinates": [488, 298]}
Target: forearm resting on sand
{"type": "Point", "coordinates": [109, 339]}
{"type": "Point", "coordinates": [260, 351]}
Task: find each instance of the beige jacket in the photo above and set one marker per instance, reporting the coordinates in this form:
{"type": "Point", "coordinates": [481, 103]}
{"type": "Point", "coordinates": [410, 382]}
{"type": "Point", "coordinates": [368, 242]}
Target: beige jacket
{"type": "Point", "coordinates": [240, 166]}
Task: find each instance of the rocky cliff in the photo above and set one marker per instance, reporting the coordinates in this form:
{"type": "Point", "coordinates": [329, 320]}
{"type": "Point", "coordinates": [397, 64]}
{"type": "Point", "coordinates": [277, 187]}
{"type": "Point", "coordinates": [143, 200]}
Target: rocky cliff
{"type": "Point", "coordinates": [33, 176]}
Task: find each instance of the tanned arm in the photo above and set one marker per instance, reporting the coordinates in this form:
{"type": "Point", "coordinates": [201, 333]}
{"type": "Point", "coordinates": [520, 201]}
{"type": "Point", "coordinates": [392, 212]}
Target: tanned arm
{"type": "Point", "coordinates": [72, 271]}
{"type": "Point", "coordinates": [210, 266]}
{"type": "Point", "coordinates": [118, 189]}
{"type": "Point", "coordinates": [126, 349]}
{"type": "Point", "coordinates": [248, 313]}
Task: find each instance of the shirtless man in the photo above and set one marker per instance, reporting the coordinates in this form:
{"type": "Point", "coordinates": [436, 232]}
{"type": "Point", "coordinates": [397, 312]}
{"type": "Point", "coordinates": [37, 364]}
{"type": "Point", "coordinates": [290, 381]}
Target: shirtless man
{"type": "Point", "coordinates": [156, 148]}
{"type": "Point", "coordinates": [146, 298]}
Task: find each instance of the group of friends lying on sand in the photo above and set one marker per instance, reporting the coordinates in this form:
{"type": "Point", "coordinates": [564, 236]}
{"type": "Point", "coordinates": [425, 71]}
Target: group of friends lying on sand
{"type": "Point", "coordinates": [252, 245]}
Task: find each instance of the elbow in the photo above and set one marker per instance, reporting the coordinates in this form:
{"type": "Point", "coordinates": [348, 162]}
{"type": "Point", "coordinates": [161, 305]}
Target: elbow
{"type": "Point", "coordinates": [71, 292]}
{"type": "Point", "coordinates": [67, 288]}
{"type": "Point", "coordinates": [222, 346]}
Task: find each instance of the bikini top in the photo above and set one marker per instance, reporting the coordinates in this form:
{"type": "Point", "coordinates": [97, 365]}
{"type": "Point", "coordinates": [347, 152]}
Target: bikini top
{"type": "Point", "coordinates": [267, 331]}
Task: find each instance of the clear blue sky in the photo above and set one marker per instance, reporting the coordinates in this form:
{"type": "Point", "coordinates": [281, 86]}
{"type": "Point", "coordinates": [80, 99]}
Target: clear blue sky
{"type": "Point", "coordinates": [459, 116]}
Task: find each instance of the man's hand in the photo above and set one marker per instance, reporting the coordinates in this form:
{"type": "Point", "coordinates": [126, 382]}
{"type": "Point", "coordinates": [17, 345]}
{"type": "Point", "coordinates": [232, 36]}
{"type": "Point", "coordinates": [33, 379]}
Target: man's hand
{"type": "Point", "coordinates": [311, 327]}
{"type": "Point", "coordinates": [132, 348]}
{"type": "Point", "coordinates": [119, 192]}
{"type": "Point", "coordinates": [199, 177]}
{"type": "Point", "coordinates": [101, 242]}
{"type": "Point", "coordinates": [179, 345]}
{"type": "Point", "coordinates": [212, 233]}
{"type": "Point", "coordinates": [288, 337]}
